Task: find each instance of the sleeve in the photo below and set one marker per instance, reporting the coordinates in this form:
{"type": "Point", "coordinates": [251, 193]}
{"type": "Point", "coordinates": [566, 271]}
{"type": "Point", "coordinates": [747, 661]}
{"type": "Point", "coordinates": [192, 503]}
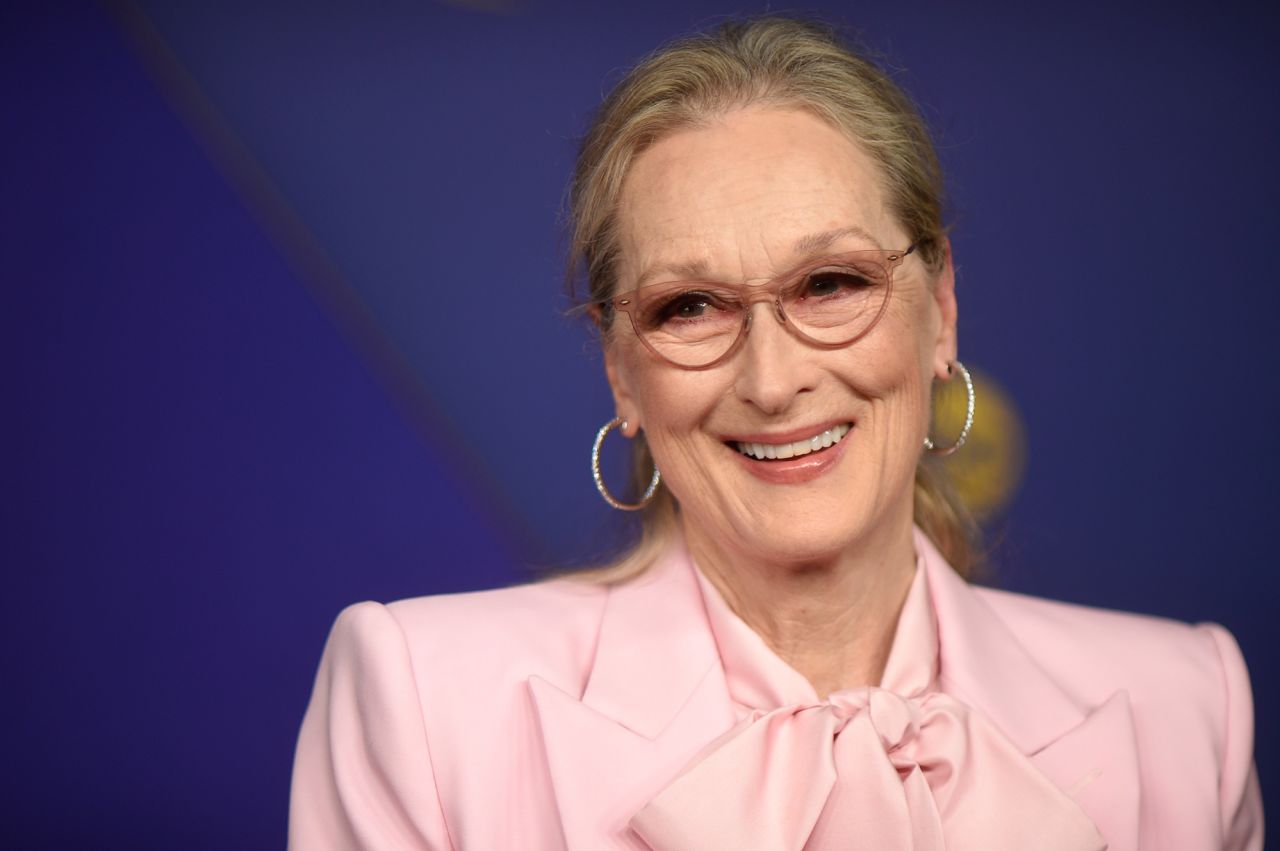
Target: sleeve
{"type": "Point", "coordinates": [362, 775]}
{"type": "Point", "coordinates": [1239, 794]}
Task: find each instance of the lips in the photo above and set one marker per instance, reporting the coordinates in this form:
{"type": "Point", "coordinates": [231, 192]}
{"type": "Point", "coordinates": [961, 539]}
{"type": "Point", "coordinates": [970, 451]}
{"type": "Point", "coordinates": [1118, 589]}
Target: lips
{"type": "Point", "coordinates": [786, 446]}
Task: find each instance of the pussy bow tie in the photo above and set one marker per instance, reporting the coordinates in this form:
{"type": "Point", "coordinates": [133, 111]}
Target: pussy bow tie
{"type": "Point", "coordinates": [868, 769]}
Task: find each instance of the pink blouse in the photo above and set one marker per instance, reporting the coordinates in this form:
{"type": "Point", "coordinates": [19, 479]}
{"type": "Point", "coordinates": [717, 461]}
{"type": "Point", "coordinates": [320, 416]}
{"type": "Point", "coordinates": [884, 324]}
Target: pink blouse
{"type": "Point", "coordinates": [899, 766]}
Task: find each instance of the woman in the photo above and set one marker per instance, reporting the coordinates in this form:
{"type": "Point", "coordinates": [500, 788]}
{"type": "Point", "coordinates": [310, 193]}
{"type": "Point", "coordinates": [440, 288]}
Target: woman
{"type": "Point", "coordinates": [787, 660]}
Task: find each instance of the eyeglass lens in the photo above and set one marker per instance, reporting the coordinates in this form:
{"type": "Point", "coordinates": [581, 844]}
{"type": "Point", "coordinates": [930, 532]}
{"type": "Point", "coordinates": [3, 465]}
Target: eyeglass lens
{"type": "Point", "coordinates": [694, 323]}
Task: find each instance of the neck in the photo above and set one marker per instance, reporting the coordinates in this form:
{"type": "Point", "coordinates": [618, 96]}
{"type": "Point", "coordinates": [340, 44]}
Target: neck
{"type": "Point", "coordinates": [832, 619]}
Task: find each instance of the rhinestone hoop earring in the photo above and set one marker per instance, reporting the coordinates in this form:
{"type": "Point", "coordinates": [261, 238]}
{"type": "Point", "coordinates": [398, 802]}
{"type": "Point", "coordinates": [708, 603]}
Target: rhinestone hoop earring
{"type": "Point", "coordinates": [968, 415]}
{"type": "Point", "coordinates": [595, 471]}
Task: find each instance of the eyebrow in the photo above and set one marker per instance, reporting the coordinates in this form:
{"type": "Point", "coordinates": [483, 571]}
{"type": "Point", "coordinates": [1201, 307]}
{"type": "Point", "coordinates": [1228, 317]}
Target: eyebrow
{"type": "Point", "coordinates": [815, 243]}
{"type": "Point", "coordinates": [805, 247]}
{"type": "Point", "coordinates": [689, 270]}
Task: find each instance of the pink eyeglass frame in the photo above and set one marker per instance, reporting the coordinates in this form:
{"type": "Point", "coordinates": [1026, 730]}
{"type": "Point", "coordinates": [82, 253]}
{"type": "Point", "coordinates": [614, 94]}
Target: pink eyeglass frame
{"type": "Point", "coordinates": [771, 291]}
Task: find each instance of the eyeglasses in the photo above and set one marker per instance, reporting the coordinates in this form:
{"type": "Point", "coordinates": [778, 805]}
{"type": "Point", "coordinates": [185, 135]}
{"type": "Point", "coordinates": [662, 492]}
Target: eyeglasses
{"type": "Point", "coordinates": [827, 303]}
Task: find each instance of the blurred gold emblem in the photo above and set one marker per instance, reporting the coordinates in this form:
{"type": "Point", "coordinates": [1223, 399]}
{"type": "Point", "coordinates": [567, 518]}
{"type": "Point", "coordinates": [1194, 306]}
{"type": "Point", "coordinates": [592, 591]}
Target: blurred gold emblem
{"type": "Point", "coordinates": [986, 471]}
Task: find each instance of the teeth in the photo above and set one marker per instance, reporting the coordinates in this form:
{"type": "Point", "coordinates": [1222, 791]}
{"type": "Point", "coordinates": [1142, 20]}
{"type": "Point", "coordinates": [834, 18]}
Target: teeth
{"type": "Point", "coordinates": [830, 437]}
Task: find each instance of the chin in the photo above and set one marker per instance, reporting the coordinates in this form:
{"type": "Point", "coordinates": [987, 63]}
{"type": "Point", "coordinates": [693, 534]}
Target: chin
{"type": "Point", "coordinates": [795, 541]}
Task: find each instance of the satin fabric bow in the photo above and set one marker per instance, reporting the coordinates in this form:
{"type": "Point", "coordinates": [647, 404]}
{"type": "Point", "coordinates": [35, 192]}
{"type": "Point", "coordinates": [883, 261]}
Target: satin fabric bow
{"type": "Point", "coordinates": [865, 769]}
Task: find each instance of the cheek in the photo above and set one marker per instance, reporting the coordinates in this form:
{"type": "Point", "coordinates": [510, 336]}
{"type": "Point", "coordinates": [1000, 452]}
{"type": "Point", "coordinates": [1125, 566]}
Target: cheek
{"type": "Point", "coordinates": [895, 372]}
{"type": "Point", "coordinates": [669, 401]}
{"type": "Point", "coordinates": [899, 390]}
{"type": "Point", "coordinates": [897, 345]}
{"type": "Point", "coordinates": [674, 405]}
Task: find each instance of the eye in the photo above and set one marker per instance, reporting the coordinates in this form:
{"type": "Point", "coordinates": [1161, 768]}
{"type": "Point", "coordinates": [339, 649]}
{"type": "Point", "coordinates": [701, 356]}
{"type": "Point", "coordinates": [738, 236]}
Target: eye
{"type": "Point", "coordinates": [829, 284]}
{"type": "Point", "coordinates": [686, 307]}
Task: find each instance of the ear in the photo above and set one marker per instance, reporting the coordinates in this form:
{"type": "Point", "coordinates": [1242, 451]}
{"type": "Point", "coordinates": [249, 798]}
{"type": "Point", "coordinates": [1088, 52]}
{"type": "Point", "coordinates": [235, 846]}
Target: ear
{"type": "Point", "coordinates": [619, 382]}
{"type": "Point", "coordinates": [944, 298]}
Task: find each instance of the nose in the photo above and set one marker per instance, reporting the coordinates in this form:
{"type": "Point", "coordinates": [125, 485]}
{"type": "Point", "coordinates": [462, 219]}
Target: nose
{"type": "Point", "coordinates": [773, 366]}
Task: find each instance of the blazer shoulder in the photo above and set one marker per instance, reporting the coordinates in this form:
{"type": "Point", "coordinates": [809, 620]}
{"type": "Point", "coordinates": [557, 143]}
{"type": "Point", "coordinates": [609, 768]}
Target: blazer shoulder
{"type": "Point", "coordinates": [1167, 666]}
{"type": "Point", "coordinates": [1037, 613]}
{"type": "Point", "coordinates": [1187, 683]}
{"type": "Point", "coordinates": [548, 628]}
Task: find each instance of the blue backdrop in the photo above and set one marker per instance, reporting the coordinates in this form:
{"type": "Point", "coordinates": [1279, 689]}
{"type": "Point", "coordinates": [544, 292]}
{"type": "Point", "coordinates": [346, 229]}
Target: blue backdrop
{"type": "Point", "coordinates": [283, 324]}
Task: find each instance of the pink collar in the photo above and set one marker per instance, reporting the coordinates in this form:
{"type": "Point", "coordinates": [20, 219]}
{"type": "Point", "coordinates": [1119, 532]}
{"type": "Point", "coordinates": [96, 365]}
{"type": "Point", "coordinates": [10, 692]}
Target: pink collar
{"type": "Point", "coordinates": [759, 679]}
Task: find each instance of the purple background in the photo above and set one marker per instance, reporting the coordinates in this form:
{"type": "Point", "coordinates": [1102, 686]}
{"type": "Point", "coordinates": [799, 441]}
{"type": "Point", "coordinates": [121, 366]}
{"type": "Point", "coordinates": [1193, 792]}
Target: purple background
{"type": "Point", "coordinates": [282, 318]}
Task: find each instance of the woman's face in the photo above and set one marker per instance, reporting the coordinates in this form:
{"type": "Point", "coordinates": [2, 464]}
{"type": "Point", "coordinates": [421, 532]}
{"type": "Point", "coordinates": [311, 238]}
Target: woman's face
{"type": "Point", "coordinates": [740, 197]}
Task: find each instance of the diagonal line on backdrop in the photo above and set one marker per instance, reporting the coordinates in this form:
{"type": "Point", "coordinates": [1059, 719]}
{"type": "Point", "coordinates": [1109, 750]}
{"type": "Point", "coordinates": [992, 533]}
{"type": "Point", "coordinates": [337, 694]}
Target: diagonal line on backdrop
{"type": "Point", "coordinates": [312, 264]}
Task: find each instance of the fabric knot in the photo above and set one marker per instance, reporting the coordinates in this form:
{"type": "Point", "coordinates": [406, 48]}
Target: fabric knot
{"type": "Point", "coordinates": [845, 704]}
{"type": "Point", "coordinates": [896, 719]}
{"type": "Point", "coordinates": [869, 768]}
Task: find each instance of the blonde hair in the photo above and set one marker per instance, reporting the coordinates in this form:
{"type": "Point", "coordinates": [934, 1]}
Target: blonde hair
{"type": "Point", "coordinates": [769, 60]}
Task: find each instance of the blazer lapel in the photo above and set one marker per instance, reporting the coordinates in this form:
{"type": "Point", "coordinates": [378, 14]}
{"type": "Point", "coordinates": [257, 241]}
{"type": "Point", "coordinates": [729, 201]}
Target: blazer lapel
{"type": "Point", "coordinates": [655, 696]}
{"type": "Point", "coordinates": [1089, 752]}
{"type": "Point", "coordinates": [1096, 763]}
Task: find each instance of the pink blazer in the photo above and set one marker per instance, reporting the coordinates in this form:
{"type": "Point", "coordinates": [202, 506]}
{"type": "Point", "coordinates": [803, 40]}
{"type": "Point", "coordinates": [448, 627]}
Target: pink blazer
{"type": "Point", "coordinates": [549, 716]}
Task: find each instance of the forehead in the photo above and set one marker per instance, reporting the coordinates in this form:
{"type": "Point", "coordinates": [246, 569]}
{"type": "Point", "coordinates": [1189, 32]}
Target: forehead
{"type": "Point", "coordinates": [739, 194]}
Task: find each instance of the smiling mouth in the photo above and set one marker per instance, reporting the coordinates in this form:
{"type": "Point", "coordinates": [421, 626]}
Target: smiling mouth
{"type": "Point", "coordinates": [782, 451]}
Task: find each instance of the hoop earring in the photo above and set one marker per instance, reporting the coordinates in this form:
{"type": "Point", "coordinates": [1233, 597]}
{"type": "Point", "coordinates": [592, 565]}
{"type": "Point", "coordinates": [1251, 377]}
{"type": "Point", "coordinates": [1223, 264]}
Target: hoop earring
{"type": "Point", "coordinates": [968, 416]}
{"type": "Point", "coordinates": [595, 471]}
